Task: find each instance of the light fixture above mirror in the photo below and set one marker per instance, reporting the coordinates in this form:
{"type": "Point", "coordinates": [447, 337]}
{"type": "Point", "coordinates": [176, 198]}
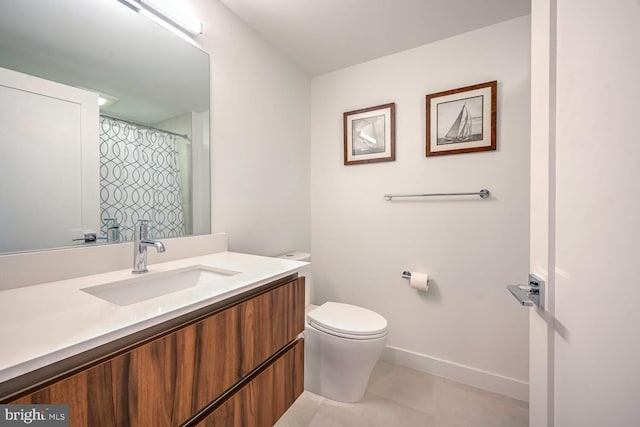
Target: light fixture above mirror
{"type": "Point", "coordinates": [165, 12]}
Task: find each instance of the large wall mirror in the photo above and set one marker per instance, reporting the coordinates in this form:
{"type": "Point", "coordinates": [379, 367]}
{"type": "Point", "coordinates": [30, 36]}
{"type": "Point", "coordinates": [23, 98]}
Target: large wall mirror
{"type": "Point", "coordinates": [104, 120]}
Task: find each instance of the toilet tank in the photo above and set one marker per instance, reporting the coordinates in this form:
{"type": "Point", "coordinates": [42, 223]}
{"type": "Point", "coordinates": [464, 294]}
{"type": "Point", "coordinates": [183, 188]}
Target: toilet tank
{"type": "Point", "coordinates": [304, 272]}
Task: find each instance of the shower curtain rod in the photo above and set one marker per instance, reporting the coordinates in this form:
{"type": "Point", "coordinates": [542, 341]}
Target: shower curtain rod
{"type": "Point", "coordinates": [145, 126]}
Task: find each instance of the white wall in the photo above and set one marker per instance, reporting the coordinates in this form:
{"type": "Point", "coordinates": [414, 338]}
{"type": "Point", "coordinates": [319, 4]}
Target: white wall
{"type": "Point", "coordinates": [468, 326]}
{"type": "Point", "coordinates": [597, 379]}
{"type": "Point", "coordinates": [260, 138]}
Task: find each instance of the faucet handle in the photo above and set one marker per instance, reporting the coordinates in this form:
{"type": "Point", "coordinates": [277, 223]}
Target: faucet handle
{"type": "Point", "coordinates": [142, 224]}
{"type": "Point", "coordinates": [141, 229]}
{"type": "Point", "coordinates": [88, 238]}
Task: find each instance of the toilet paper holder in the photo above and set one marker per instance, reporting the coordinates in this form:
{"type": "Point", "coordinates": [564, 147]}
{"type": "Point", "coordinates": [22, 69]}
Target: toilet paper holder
{"type": "Point", "coordinates": [418, 281]}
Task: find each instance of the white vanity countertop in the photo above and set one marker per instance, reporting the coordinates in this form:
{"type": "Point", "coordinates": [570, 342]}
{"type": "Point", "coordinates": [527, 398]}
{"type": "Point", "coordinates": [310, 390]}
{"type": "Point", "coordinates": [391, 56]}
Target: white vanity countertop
{"type": "Point", "coordinates": [46, 323]}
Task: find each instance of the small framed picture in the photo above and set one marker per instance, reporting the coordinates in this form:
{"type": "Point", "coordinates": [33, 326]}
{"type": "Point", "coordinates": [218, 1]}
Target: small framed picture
{"type": "Point", "coordinates": [369, 135]}
{"type": "Point", "coordinates": [462, 120]}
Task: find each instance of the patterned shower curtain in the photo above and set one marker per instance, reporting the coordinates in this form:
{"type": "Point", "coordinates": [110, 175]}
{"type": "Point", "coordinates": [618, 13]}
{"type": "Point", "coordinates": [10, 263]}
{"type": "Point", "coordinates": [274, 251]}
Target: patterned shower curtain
{"type": "Point", "coordinates": [139, 179]}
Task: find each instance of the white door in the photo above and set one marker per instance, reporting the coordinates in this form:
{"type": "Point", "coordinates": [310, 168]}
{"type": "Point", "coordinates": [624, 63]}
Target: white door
{"type": "Point", "coordinates": [48, 163]}
{"type": "Point", "coordinates": [585, 213]}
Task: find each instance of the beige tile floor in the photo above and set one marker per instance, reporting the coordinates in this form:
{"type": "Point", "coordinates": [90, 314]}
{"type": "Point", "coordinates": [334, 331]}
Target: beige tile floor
{"type": "Point", "coordinates": [398, 396]}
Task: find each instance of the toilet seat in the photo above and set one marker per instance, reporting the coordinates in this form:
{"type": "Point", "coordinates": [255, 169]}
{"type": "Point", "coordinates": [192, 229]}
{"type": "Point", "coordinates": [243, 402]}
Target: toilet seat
{"type": "Point", "coordinates": [348, 321]}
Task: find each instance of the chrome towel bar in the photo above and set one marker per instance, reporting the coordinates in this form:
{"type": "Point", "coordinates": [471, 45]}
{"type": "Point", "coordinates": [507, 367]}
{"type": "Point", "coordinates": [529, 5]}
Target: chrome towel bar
{"type": "Point", "coordinates": [484, 193]}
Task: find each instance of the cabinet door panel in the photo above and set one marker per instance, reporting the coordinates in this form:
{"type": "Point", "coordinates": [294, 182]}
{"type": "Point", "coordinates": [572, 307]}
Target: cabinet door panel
{"type": "Point", "coordinates": [166, 381]}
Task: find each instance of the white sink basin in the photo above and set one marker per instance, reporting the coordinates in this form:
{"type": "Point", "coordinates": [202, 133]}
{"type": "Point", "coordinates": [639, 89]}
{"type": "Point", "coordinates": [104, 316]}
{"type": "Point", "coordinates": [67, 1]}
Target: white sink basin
{"type": "Point", "coordinates": [151, 285]}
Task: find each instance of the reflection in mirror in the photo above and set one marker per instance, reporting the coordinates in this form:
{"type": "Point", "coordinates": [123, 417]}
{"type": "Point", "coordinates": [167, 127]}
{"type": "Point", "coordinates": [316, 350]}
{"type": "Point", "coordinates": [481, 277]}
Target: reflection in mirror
{"type": "Point", "coordinates": [104, 120]}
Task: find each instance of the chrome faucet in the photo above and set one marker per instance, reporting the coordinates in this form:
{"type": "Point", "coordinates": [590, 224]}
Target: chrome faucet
{"type": "Point", "coordinates": [140, 242]}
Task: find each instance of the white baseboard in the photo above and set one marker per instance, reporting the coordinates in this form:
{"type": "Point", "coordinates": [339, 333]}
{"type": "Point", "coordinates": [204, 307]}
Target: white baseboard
{"type": "Point", "coordinates": [464, 374]}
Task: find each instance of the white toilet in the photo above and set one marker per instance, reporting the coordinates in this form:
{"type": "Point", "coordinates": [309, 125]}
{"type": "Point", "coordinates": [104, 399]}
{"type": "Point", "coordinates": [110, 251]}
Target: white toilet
{"type": "Point", "coordinates": [342, 344]}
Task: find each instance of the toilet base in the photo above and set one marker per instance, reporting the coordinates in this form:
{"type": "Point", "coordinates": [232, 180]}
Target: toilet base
{"type": "Point", "coordinates": [339, 368]}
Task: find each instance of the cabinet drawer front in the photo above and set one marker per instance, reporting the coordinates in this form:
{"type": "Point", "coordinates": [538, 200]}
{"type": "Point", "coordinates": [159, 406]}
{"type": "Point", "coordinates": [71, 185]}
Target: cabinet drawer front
{"type": "Point", "coordinates": [164, 382]}
{"type": "Point", "coordinates": [262, 401]}
{"type": "Point", "coordinates": [236, 341]}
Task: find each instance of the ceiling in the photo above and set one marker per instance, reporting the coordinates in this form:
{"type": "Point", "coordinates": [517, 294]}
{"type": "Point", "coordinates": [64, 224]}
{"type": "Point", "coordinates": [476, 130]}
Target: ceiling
{"type": "Point", "coordinates": [106, 47]}
{"type": "Point", "coordinates": [327, 35]}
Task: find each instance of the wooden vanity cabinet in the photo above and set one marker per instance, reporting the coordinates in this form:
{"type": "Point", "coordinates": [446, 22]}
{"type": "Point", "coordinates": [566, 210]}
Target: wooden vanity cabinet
{"type": "Point", "coordinates": [244, 360]}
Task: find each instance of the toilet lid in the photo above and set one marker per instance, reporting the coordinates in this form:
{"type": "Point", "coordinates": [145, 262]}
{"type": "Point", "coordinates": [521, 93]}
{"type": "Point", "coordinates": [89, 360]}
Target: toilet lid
{"type": "Point", "coordinates": [348, 321]}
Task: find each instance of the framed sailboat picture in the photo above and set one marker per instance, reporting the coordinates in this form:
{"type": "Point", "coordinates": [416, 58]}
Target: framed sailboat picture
{"type": "Point", "coordinates": [462, 120]}
{"type": "Point", "coordinates": [369, 135]}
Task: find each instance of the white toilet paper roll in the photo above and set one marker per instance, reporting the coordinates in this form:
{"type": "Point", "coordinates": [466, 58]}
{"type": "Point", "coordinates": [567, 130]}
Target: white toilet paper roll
{"type": "Point", "coordinates": [419, 281]}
